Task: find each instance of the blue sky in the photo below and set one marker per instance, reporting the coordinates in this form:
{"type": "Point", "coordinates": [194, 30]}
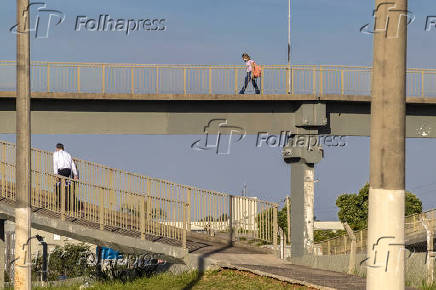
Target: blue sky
{"type": "Point", "coordinates": [216, 32]}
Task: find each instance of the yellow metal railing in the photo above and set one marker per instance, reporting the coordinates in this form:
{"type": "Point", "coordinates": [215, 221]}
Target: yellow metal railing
{"type": "Point", "coordinates": [342, 244]}
{"type": "Point", "coordinates": [114, 198]}
{"type": "Point", "coordinates": [205, 79]}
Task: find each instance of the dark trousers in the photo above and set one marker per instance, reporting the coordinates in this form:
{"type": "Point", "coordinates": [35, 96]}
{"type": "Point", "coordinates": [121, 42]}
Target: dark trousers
{"type": "Point", "coordinates": [70, 197]}
{"type": "Point", "coordinates": [253, 82]}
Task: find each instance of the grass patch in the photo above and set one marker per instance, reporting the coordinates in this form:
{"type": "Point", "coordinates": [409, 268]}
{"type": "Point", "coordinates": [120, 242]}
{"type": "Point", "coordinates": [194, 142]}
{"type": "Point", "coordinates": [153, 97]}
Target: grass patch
{"type": "Point", "coordinates": [221, 279]}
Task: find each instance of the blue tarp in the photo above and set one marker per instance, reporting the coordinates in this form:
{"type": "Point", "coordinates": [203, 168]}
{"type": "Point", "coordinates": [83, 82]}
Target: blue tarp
{"type": "Point", "coordinates": [109, 254]}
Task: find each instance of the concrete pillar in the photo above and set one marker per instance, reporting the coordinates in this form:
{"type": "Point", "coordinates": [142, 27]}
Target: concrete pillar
{"type": "Point", "coordinates": [387, 159]}
{"type": "Point", "coordinates": [23, 262]}
{"type": "Point", "coordinates": [309, 195]}
{"type": "Point", "coordinates": [2, 254]}
{"type": "Point", "coordinates": [302, 198]}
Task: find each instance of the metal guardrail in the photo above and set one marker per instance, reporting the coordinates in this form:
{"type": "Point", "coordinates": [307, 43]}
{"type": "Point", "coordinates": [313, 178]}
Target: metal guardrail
{"type": "Point", "coordinates": [144, 205]}
{"type": "Point", "coordinates": [342, 244]}
{"type": "Point", "coordinates": [205, 79]}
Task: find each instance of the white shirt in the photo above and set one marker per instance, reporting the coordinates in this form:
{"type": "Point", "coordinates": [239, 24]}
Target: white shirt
{"type": "Point", "coordinates": [249, 64]}
{"type": "Point", "coordinates": [61, 160]}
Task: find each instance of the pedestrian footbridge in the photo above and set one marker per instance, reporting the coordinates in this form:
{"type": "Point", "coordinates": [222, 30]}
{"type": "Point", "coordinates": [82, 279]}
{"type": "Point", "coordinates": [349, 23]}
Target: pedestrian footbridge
{"type": "Point", "coordinates": [120, 81]}
{"type": "Point", "coordinates": [132, 212]}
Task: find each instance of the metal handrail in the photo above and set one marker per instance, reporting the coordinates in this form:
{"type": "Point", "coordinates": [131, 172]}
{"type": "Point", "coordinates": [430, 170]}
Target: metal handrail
{"type": "Point", "coordinates": [131, 201]}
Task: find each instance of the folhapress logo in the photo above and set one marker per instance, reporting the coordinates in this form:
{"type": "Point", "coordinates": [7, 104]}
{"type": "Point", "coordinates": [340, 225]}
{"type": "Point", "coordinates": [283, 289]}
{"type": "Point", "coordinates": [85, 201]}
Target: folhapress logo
{"type": "Point", "coordinates": [219, 135]}
{"type": "Point", "coordinates": [107, 23]}
{"type": "Point", "coordinates": [387, 19]}
{"type": "Point", "coordinates": [40, 21]}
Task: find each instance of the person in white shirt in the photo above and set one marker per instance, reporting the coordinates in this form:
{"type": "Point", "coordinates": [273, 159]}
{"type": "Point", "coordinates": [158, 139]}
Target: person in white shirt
{"type": "Point", "coordinates": [63, 164]}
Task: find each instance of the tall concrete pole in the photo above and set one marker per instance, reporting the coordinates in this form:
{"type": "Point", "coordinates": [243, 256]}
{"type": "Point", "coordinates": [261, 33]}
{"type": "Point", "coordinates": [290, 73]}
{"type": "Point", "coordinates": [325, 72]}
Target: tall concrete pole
{"type": "Point", "coordinates": [23, 262]}
{"type": "Point", "coordinates": [387, 159]}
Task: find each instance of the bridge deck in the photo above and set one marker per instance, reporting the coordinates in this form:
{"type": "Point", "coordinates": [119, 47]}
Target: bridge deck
{"type": "Point", "coordinates": [209, 97]}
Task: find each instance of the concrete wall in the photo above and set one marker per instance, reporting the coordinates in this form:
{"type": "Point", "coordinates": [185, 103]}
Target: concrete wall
{"type": "Point", "coordinates": [52, 240]}
{"type": "Point", "coordinates": [416, 268]}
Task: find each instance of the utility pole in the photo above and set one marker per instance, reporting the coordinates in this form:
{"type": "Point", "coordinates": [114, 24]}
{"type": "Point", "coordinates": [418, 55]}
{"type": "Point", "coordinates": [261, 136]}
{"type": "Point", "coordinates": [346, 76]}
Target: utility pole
{"type": "Point", "coordinates": [289, 47]}
{"type": "Point", "coordinates": [23, 262]}
{"type": "Point", "coordinates": [387, 159]}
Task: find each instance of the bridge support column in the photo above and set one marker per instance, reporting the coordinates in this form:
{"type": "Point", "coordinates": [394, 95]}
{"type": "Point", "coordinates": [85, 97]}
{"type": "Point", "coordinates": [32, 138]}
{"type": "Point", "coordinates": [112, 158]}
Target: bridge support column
{"type": "Point", "coordinates": [302, 200]}
{"type": "Point", "coordinates": [302, 163]}
{"type": "Point", "coordinates": [387, 148]}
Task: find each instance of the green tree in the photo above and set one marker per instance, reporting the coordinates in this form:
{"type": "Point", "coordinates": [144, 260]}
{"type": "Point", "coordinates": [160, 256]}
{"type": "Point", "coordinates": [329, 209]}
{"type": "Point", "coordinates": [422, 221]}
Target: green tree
{"type": "Point", "coordinates": [70, 261]}
{"type": "Point", "coordinates": [282, 219]}
{"type": "Point", "coordinates": [353, 208]}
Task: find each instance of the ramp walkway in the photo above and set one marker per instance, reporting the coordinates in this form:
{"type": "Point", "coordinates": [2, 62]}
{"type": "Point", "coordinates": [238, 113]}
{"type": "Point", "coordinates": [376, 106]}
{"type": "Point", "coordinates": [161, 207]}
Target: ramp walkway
{"type": "Point", "coordinates": [132, 212]}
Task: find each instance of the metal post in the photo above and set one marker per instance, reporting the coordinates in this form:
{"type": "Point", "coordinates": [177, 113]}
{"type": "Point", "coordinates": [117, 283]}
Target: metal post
{"type": "Point", "coordinates": [142, 216]}
{"type": "Point", "coordinates": [282, 243]}
{"type": "Point", "coordinates": [103, 78]}
{"type": "Point", "coordinates": [314, 81]}
{"type": "Point", "coordinates": [63, 198]}
{"type": "Point", "coordinates": [387, 148]}
{"type": "Point", "coordinates": [275, 227]}
{"type": "Point", "coordinates": [342, 82]}
{"type": "Point", "coordinates": [184, 81]}
{"type": "Point", "coordinates": [48, 77]}
{"type": "Point", "coordinates": [157, 80]}
{"type": "Point", "coordinates": [44, 269]}
{"type": "Point", "coordinates": [185, 207]}
{"type": "Point", "coordinates": [230, 219]}
{"type": "Point", "coordinates": [23, 262]}
{"type": "Point", "coordinates": [188, 200]}
{"type": "Point", "coordinates": [422, 84]}
{"type": "Point", "coordinates": [236, 81]}
{"type": "Point", "coordinates": [101, 209]}
{"type": "Point", "coordinates": [210, 80]}
{"type": "Point", "coordinates": [289, 46]}
{"type": "Point", "coordinates": [288, 217]}
{"type": "Point", "coordinates": [321, 85]}
{"type": "Point", "coordinates": [132, 81]}
{"type": "Point", "coordinates": [78, 79]}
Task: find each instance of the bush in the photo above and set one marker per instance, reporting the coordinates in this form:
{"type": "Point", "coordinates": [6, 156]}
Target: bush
{"type": "Point", "coordinates": [69, 261]}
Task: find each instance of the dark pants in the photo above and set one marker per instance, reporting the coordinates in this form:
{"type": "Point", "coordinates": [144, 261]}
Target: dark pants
{"type": "Point", "coordinates": [66, 172]}
{"type": "Point", "coordinates": [70, 197]}
{"type": "Point", "coordinates": [253, 82]}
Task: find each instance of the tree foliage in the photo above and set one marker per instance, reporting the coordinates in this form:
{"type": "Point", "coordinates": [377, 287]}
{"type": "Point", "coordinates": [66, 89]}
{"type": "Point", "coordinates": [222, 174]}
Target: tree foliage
{"type": "Point", "coordinates": [353, 208]}
{"type": "Point", "coordinates": [69, 261]}
{"type": "Point", "coordinates": [282, 219]}
{"type": "Point", "coordinates": [321, 235]}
